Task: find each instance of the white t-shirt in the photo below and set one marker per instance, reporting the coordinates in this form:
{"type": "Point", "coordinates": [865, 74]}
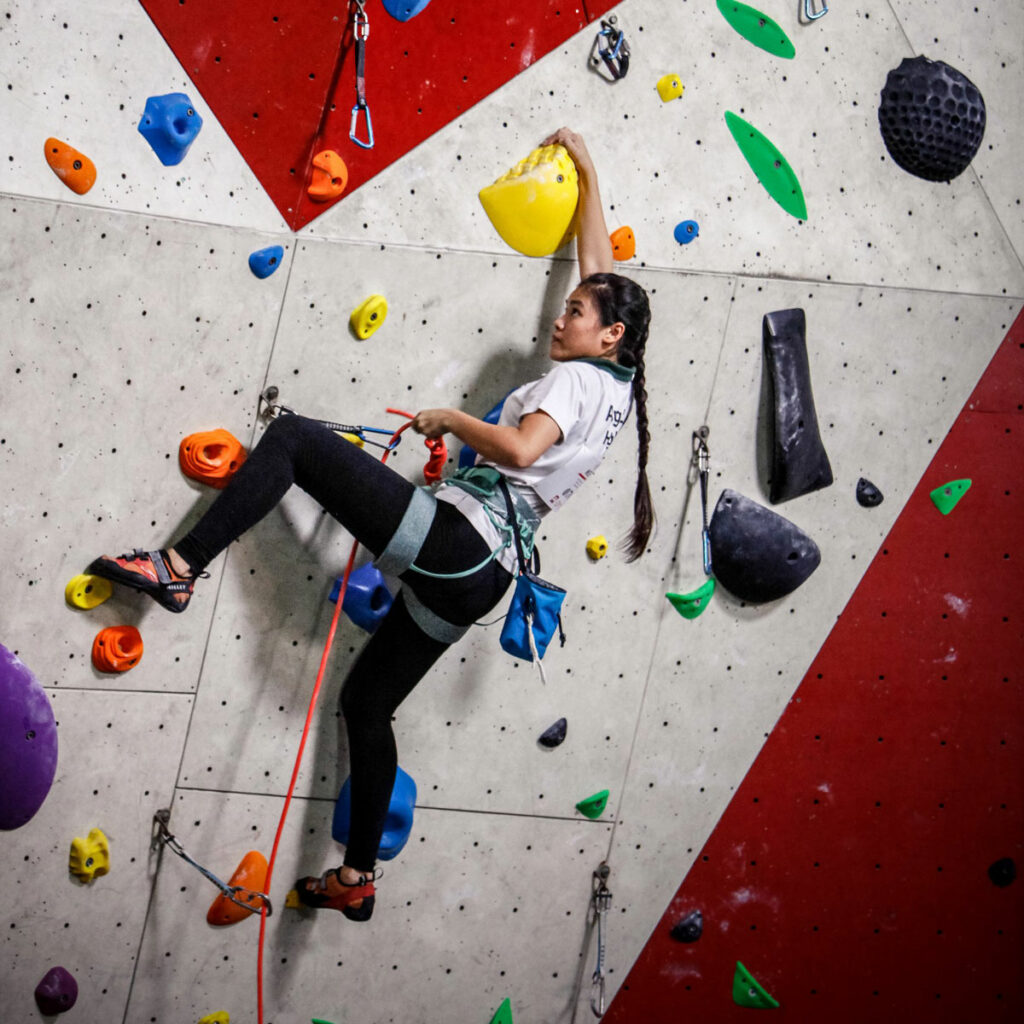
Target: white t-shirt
{"type": "Point", "coordinates": [590, 405]}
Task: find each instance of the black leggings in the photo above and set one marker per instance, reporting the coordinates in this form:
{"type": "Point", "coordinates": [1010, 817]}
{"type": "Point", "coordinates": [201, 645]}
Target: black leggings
{"type": "Point", "coordinates": [369, 500]}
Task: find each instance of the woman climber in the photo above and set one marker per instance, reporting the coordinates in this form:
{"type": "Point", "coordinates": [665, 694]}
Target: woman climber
{"type": "Point", "coordinates": [451, 548]}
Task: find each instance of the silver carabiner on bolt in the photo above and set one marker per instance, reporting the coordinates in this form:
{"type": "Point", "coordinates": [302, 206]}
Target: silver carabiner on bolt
{"type": "Point", "coordinates": [809, 12]}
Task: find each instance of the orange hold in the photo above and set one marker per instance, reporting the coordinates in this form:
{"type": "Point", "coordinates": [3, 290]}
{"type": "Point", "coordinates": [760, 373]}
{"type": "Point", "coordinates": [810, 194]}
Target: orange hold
{"type": "Point", "coordinates": [623, 243]}
{"type": "Point", "coordinates": [75, 169]}
{"type": "Point", "coordinates": [211, 457]}
{"type": "Point", "coordinates": [251, 875]}
{"type": "Point", "coordinates": [117, 649]}
{"type": "Point", "coordinates": [330, 176]}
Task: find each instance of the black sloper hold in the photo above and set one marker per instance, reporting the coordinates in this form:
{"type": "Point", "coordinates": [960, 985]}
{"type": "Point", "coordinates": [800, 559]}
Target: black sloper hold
{"type": "Point", "coordinates": [690, 928]}
{"type": "Point", "coordinates": [1002, 872]}
{"type": "Point", "coordinates": [799, 462]}
{"type": "Point", "coordinates": [554, 735]}
{"type": "Point", "coordinates": [757, 554]}
{"type": "Point", "coordinates": [868, 494]}
{"type": "Point", "coordinates": [932, 118]}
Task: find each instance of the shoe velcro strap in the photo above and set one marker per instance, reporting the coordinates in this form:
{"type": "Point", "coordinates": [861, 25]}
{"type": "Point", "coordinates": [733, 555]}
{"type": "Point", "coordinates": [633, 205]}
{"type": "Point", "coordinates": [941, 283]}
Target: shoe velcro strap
{"type": "Point", "coordinates": [157, 558]}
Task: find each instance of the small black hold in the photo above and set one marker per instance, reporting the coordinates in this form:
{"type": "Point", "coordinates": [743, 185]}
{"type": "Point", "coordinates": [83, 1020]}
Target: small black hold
{"type": "Point", "coordinates": [1002, 872]}
{"type": "Point", "coordinates": [690, 928]}
{"type": "Point", "coordinates": [553, 736]}
{"type": "Point", "coordinates": [868, 494]}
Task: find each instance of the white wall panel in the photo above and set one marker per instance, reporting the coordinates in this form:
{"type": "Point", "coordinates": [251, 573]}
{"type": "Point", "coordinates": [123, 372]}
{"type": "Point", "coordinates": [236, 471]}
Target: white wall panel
{"type": "Point", "coordinates": [118, 753]}
{"type": "Point", "coordinates": [126, 334]}
{"type": "Point", "coordinates": [83, 73]}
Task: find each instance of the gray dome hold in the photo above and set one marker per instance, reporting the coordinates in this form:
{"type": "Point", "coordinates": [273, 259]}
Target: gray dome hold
{"type": "Point", "coordinates": [932, 118]}
{"type": "Point", "coordinates": [756, 554]}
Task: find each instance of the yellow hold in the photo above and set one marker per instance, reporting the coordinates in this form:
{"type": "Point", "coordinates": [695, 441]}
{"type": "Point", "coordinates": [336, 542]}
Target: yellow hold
{"type": "Point", "coordinates": [670, 87]}
{"type": "Point", "coordinates": [90, 857]}
{"type": "Point", "coordinates": [86, 591]}
{"type": "Point", "coordinates": [368, 316]}
{"type": "Point", "coordinates": [533, 206]}
{"type": "Point", "coordinates": [597, 547]}
{"type": "Point", "coordinates": [220, 1017]}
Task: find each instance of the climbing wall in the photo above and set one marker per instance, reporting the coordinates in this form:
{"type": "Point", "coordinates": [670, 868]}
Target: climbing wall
{"type": "Point", "coordinates": [133, 319]}
{"type": "Point", "coordinates": [861, 870]}
{"type": "Point", "coordinates": [282, 81]}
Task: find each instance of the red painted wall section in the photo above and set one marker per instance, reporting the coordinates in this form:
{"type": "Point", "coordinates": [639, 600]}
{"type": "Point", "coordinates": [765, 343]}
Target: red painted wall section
{"type": "Point", "coordinates": [268, 70]}
{"type": "Point", "coordinates": [849, 873]}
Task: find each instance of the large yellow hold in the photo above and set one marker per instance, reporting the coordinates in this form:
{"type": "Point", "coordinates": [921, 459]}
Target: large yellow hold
{"type": "Point", "coordinates": [534, 205]}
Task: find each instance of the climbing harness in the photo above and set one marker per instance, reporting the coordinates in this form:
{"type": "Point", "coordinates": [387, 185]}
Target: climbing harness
{"type": "Point", "coordinates": [600, 901]}
{"type": "Point", "coordinates": [809, 12]}
{"type": "Point", "coordinates": [360, 33]}
{"type": "Point", "coordinates": [272, 411]}
{"type": "Point", "coordinates": [610, 46]}
{"type": "Point", "coordinates": [701, 461]}
{"type": "Point", "coordinates": [163, 835]}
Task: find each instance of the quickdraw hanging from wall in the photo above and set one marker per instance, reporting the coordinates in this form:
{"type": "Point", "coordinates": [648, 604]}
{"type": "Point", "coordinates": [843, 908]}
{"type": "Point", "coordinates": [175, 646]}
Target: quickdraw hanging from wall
{"type": "Point", "coordinates": [360, 33]}
{"type": "Point", "coordinates": [610, 50]}
{"type": "Point", "coordinates": [692, 604]}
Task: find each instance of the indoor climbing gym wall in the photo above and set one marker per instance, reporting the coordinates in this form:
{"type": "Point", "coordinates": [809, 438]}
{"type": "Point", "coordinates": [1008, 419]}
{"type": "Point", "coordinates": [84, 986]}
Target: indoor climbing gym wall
{"type": "Point", "coordinates": [776, 765]}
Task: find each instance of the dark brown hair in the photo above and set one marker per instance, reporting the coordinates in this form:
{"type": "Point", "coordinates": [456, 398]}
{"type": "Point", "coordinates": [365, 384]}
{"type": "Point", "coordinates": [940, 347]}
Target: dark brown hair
{"type": "Point", "coordinates": [620, 300]}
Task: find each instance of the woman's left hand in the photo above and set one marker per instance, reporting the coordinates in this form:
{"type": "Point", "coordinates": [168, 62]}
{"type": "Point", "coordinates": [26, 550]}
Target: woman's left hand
{"type": "Point", "coordinates": [431, 422]}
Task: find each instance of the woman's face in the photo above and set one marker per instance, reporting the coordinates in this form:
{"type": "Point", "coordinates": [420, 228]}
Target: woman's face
{"type": "Point", "coordinates": [579, 331]}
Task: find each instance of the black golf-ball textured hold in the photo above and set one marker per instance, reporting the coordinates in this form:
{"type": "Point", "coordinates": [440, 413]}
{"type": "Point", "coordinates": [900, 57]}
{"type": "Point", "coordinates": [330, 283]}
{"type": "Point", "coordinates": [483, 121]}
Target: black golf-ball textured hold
{"type": "Point", "coordinates": [932, 118]}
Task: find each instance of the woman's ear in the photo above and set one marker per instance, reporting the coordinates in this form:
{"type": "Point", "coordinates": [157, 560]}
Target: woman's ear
{"type": "Point", "coordinates": [611, 337]}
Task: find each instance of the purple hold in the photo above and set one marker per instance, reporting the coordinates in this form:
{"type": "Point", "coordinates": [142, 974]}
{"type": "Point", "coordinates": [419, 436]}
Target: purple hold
{"type": "Point", "coordinates": [57, 991]}
{"type": "Point", "coordinates": [28, 742]}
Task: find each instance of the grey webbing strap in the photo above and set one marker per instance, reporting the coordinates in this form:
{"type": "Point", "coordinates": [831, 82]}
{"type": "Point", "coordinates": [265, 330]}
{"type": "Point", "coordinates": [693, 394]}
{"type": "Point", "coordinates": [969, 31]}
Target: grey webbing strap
{"type": "Point", "coordinates": [157, 559]}
{"type": "Point", "coordinates": [431, 623]}
{"type": "Point", "coordinates": [412, 531]}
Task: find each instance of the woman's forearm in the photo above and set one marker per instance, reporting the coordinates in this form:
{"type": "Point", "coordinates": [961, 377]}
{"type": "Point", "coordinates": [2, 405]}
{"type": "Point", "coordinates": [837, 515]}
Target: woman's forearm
{"type": "Point", "coordinates": [519, 446]}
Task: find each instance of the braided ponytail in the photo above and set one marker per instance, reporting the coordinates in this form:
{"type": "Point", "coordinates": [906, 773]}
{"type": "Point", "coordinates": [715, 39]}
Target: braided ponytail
{"type": "Point", "coordinates": [620, 300]}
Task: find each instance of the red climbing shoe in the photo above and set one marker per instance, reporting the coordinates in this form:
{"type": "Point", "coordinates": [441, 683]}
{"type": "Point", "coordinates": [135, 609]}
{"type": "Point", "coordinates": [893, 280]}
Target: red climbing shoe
{"type": "Point", "coordinates": [353, 899]}
{"type": "Point", "coordinates": [150, 572]}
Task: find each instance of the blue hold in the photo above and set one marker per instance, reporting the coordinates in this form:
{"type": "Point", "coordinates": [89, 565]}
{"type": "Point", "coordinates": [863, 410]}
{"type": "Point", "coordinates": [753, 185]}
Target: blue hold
{"type": "Point", "coordinates": [263, 262]}
{"type": "Point", "coordinates": [467, 457]}
{"type": "Point", "coordinates": [170, 125]}
{"type": "Point", "coordinates": [397, 824]}
{"type": "Point", "coordinates": [686, 232]}
{"type": "Point", "coordinates": [403, 10]}
{"type": "Point", "coordinates": [367, 598]}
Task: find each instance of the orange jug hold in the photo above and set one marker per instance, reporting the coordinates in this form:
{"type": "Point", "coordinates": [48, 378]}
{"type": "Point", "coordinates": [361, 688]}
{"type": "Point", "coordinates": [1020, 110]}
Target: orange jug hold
{"type": "Point", "coordinates": [251, 876]}
{"type": "Point", "coordinates": [75, 169]}
{"type": "Point", "coordinates": [211, 457]}
{"type": "Point", "coordinates": [117, 649]}
{"type": "Point", "coordinates": [329, 177]}
{"type": "Point", "coordinates": [623, 243]}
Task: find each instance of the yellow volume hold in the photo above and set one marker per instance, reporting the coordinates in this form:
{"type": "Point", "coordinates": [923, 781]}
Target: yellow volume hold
{"type": "Point", "coordinates": [533, 206]}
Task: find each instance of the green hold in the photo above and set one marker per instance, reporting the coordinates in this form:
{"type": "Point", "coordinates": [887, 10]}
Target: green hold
{"type": "Point", "coordinates": [503, 1014]}
{"type": "Point", "coordinates": [770, 166]}
{"type": "Point", "coordinates": [593, 806]}
{"type": "Point", "coordinates": [747, 991]}
{"type": "Point", "coordinates": [693, 604]}
{"type": "Point", "coordinates": [757, 28]}
{"type": "Point", "coordinates": [947, 496]}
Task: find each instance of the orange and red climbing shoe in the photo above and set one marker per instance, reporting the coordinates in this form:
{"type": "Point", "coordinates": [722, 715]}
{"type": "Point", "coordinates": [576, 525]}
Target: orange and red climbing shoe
{"type": "Point", "coordinates": [150, 572]}
{"type": "Point", "coordinates": [354, 899]}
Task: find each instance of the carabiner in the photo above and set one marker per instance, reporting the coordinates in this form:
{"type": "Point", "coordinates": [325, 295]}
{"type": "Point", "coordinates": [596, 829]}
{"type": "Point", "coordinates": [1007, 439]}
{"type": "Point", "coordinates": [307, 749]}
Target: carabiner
{"type": "Point", "coordinates": [611, 47]}
{"type": "Point", "coordinates": [355, 123]}
{"type": "Point", "coordinates": [809, 10]}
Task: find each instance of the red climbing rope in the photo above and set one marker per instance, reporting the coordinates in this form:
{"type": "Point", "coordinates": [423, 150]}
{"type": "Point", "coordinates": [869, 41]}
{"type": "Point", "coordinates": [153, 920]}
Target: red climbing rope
{"type": "Point", "coordinates": [302, 743]}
